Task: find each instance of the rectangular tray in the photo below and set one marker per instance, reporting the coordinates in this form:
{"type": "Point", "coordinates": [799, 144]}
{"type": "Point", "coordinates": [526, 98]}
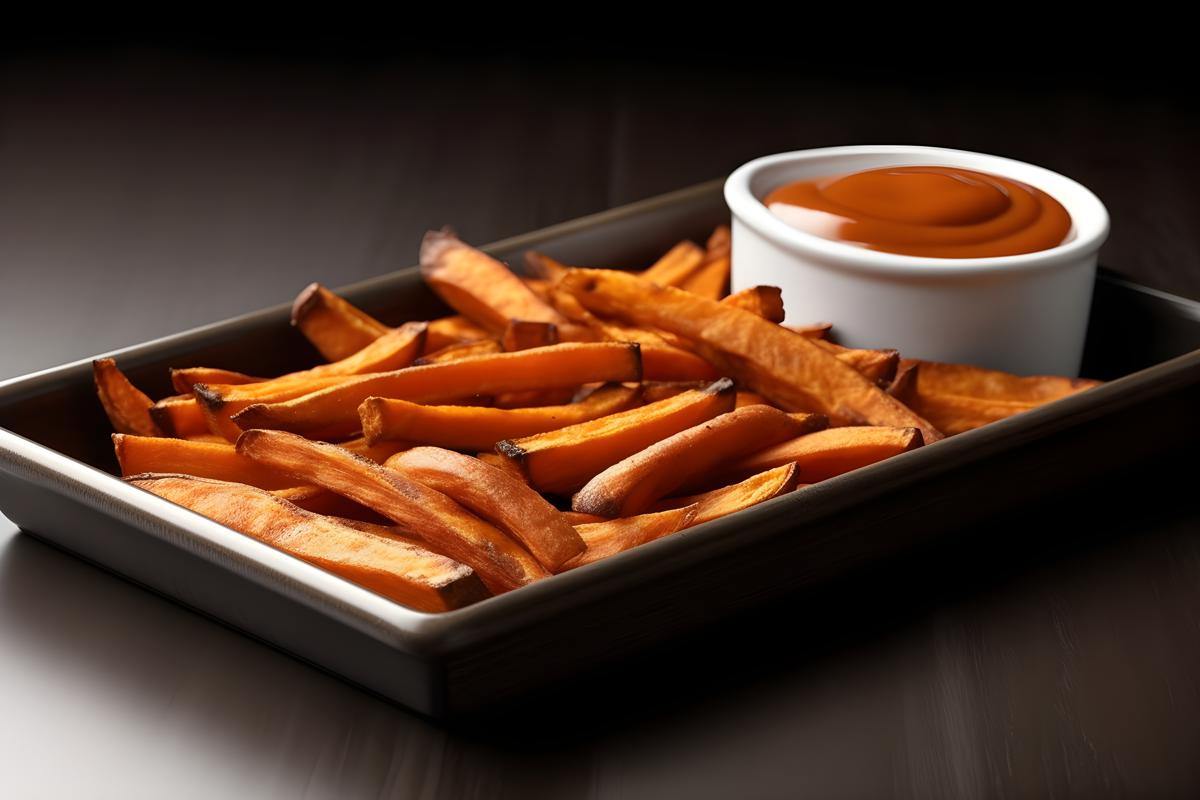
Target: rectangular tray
{"type": "Point", "coordinates": [57, 482]}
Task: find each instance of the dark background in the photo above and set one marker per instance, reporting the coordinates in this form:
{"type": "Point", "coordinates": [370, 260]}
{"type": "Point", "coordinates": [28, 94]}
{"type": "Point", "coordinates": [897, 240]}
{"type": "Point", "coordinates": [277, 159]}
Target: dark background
{"type": "Point", "coordinates": [151, 183]}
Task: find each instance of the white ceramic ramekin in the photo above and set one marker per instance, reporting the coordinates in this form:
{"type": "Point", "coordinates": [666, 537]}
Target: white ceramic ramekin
{"type": "Point", "coordinates": [1025, 314]}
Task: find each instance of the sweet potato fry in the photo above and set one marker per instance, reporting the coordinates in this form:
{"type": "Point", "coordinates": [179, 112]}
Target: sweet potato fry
{"type": "Point", "coordinates": [750, 399]}
{"type": "Point", "coordinates": [791, 371]}
{"type": "Point", "coordinates": [393, 350]}
{"type": "Point", "coordinates": [711, 278]}
{"type": "Point", "coordinates": [335, 327]}
{"type": "Point", "coordinates": [496, 496]}
{"type": "Point", "coordinates": [459, 350]}
{"type": "Point", "coordinates": [633, 485]}
{"type": "Point", "coordinates": [673, 268]}
{"type": "Point", "coordinates": [825, 454]}
{"type": "Point", "coordinates": [469, 428]}
{"type": "Point", "coordinates": [877, 366]}
{"type": "Point", "coordinates": [561, 461]}
{"type": "Point", "coordinates": [543, 267]}
{"type": "Point", "coordinates": [426, 514]}
{"type": "Point", "coordinates": [451, 330]}
{"type": "Point", "coordinates": [127, 408]}
{"type": "Point", "coordinates": [729, 499]}
{"type": "Point", "coordinates": [653, 391]}
{"type": "Point", "coordinates": [960, 397]}
{"type": "Point", "coordinates": [141, 454]}
{"type": "Point", "coordinates": [523, 335]}
{"type": "Point", "coordinates": [762, 301]}
{"type": "Point", "coordinates": [500, 462]}
{"type": "Point", "coordinates": [334, 412]}
{"type": "Point", "coordinates": [399, 569]}
{"type": "Point", "coordinates": [180, 416]}
{"type": "Point", "coordinates": [536, 398]}
{"type": "Point", "coordinates": [184, 379]}
{"type": "Point", "coordinates": [378, 452]}
{"type": "Point", "coordinates": [607, 538]}
{"type": "Point", "coordinates": [478, 286]}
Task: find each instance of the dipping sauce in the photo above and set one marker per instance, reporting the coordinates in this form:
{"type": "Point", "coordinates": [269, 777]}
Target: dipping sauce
{"type": "Point", "coordinates": [936, 212]}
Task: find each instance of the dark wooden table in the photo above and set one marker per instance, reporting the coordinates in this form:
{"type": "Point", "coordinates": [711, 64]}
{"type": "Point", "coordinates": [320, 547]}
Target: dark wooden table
{"type": "Point", "coordinates": [144, 192]}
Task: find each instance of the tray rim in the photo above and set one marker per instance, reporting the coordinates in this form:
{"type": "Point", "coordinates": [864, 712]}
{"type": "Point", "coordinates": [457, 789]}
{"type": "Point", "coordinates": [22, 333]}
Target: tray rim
{"type": "Point", "coordinates": [435, 634]}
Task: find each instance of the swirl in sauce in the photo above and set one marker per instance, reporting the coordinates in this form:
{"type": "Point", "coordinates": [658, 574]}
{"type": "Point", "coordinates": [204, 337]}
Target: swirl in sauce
{"type": "Point", "coordinates": [935, 212]}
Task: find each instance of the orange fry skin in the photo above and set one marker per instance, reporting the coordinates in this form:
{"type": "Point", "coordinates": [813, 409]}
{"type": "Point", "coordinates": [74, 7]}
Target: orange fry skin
{"type": "Point", "coordinates": [335, 327]}
{"type": "Point", "coordinates": [453, 352]}
{"type": "Point", "coordinates": [496, 496]}
{"type": "Point", "coordinates": [180, 416]}
{"type": "Point", "coordinates": [142, 454]}
{"type": "Point", "coordinates": [789, 370]}
{"type": "Point", "coordinates": [446, 331]}
{"type": "Point", "coordinates": [762, 301]}
{"type": "Point", "coordinates": [474, 428]}
{"type": "Point", "coordinates": [633, 485]}
{"type": "Point", "coordinates": [718, 503]}
{"type": "Point", "coordinates": [389, 565]}
{"type": "Point", "coordinates": [609, 537]}
{"type": "Point", "coordinates": [561, 461]}
{"type": "Point", "coordinates": [184, 379]}
{"type": "Point", "coordinates": [333, 412]}
{"type": "Point", "coordinates": [676, 265]}
{"type": "Point", "coordinates": [478, 286]}
{"type": "Point", "coordinates": [426, 514]}
{"type": "Point", "coordinates": [828, 453]}
{"type": "Point", "coordinates": [128, 409]}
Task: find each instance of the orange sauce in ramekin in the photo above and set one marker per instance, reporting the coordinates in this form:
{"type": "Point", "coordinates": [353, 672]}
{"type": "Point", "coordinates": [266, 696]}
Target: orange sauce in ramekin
{"type": "Point", "coordinates": [930, 211]}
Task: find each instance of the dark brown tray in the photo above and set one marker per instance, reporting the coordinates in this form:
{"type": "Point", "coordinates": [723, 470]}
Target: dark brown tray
{"type": "Point", "coordinates": [57, 482]}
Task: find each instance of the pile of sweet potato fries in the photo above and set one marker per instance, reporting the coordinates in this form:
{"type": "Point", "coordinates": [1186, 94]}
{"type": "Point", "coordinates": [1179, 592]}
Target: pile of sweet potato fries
{"type": "Point", "coordinates": [430, 462]}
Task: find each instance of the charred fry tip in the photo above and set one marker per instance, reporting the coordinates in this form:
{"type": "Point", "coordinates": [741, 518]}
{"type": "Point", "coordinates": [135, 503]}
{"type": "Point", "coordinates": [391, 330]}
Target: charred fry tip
{"type": "Point", "coordinates": [719, 387]}
{"type": "Point", "coordinates": [511, 449]}
{"type": "Point", "coordinates": [636, 349]}
{"type": "Point", "coordinates": [208, 396]}
{"type": "Point", "coordinates": [251, 416]}
{"type": "Point", "coordinates": [305, 301]}
{"type": "Point", "coordinates": [162, 418]}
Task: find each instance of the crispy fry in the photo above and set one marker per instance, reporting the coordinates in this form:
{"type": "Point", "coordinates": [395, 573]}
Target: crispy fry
{"type": "Point", "coordinates": [393, 350]}
{"type": "Point", "coordinates": [140, 454]}
{"type": "Point", "coordinates": [523, 335]}
{"type": "Point", "coordinates": [127, 408]}
{"type": "Point", "coordinates": [729, 499]}
{"type": "Point", "coordinates": [428, 515]}
{"type": "Point", "coordinates": [543, 267]}
{"type": "Point", "coordinates": [614, 536]}
{"type": "Point", "coordinates": [478, 286]}
{"type": "Point", "coordinates": [562, 461]}
{"type": "Point", "coordinates": [496, 496]}
{"type": "Point", "coordinates": [711, 278]}
{"type": "Point", "coordinates": [653, 391]}
{"type": "Point", "coordinates": [960, 397]}
{"type": "Point", "coordinates": [335, 327]}
{"type": "Point", "coordinates": [762, 301]}
{"type": "Point", "coordinates": [184, 379]}
{"type": "Point", "coordinates": [877, 366]}
{"type": "Point", "coordinates": [633, 485]}
{"type": "Point", "coordinates": [536, 398]}
{"type": "Point", "coordinates": [392, 566]}
{"type": "Point", "coordinates": [180, 416]}
{"type": "Point", "coordinates": [334, 412]}
{"type": "Point", "coordinates": [451, 330]}
{"type": "Point", "coordinates": [674, 267]}
{"type": "Point", "coordinates": [575, 518]}
{"type": "Point", "coordinates": [459, 350]}
{"type": "Point", "coordinates": [468, 428]}
{"type": "Point", "coordinates": [825, 454]}
{"type": "Point", "coordinates": [790, 370]}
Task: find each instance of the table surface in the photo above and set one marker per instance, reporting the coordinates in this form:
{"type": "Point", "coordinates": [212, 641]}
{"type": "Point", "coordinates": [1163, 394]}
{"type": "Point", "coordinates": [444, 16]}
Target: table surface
{"type": "Point", "coordinates": [143, 192]}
